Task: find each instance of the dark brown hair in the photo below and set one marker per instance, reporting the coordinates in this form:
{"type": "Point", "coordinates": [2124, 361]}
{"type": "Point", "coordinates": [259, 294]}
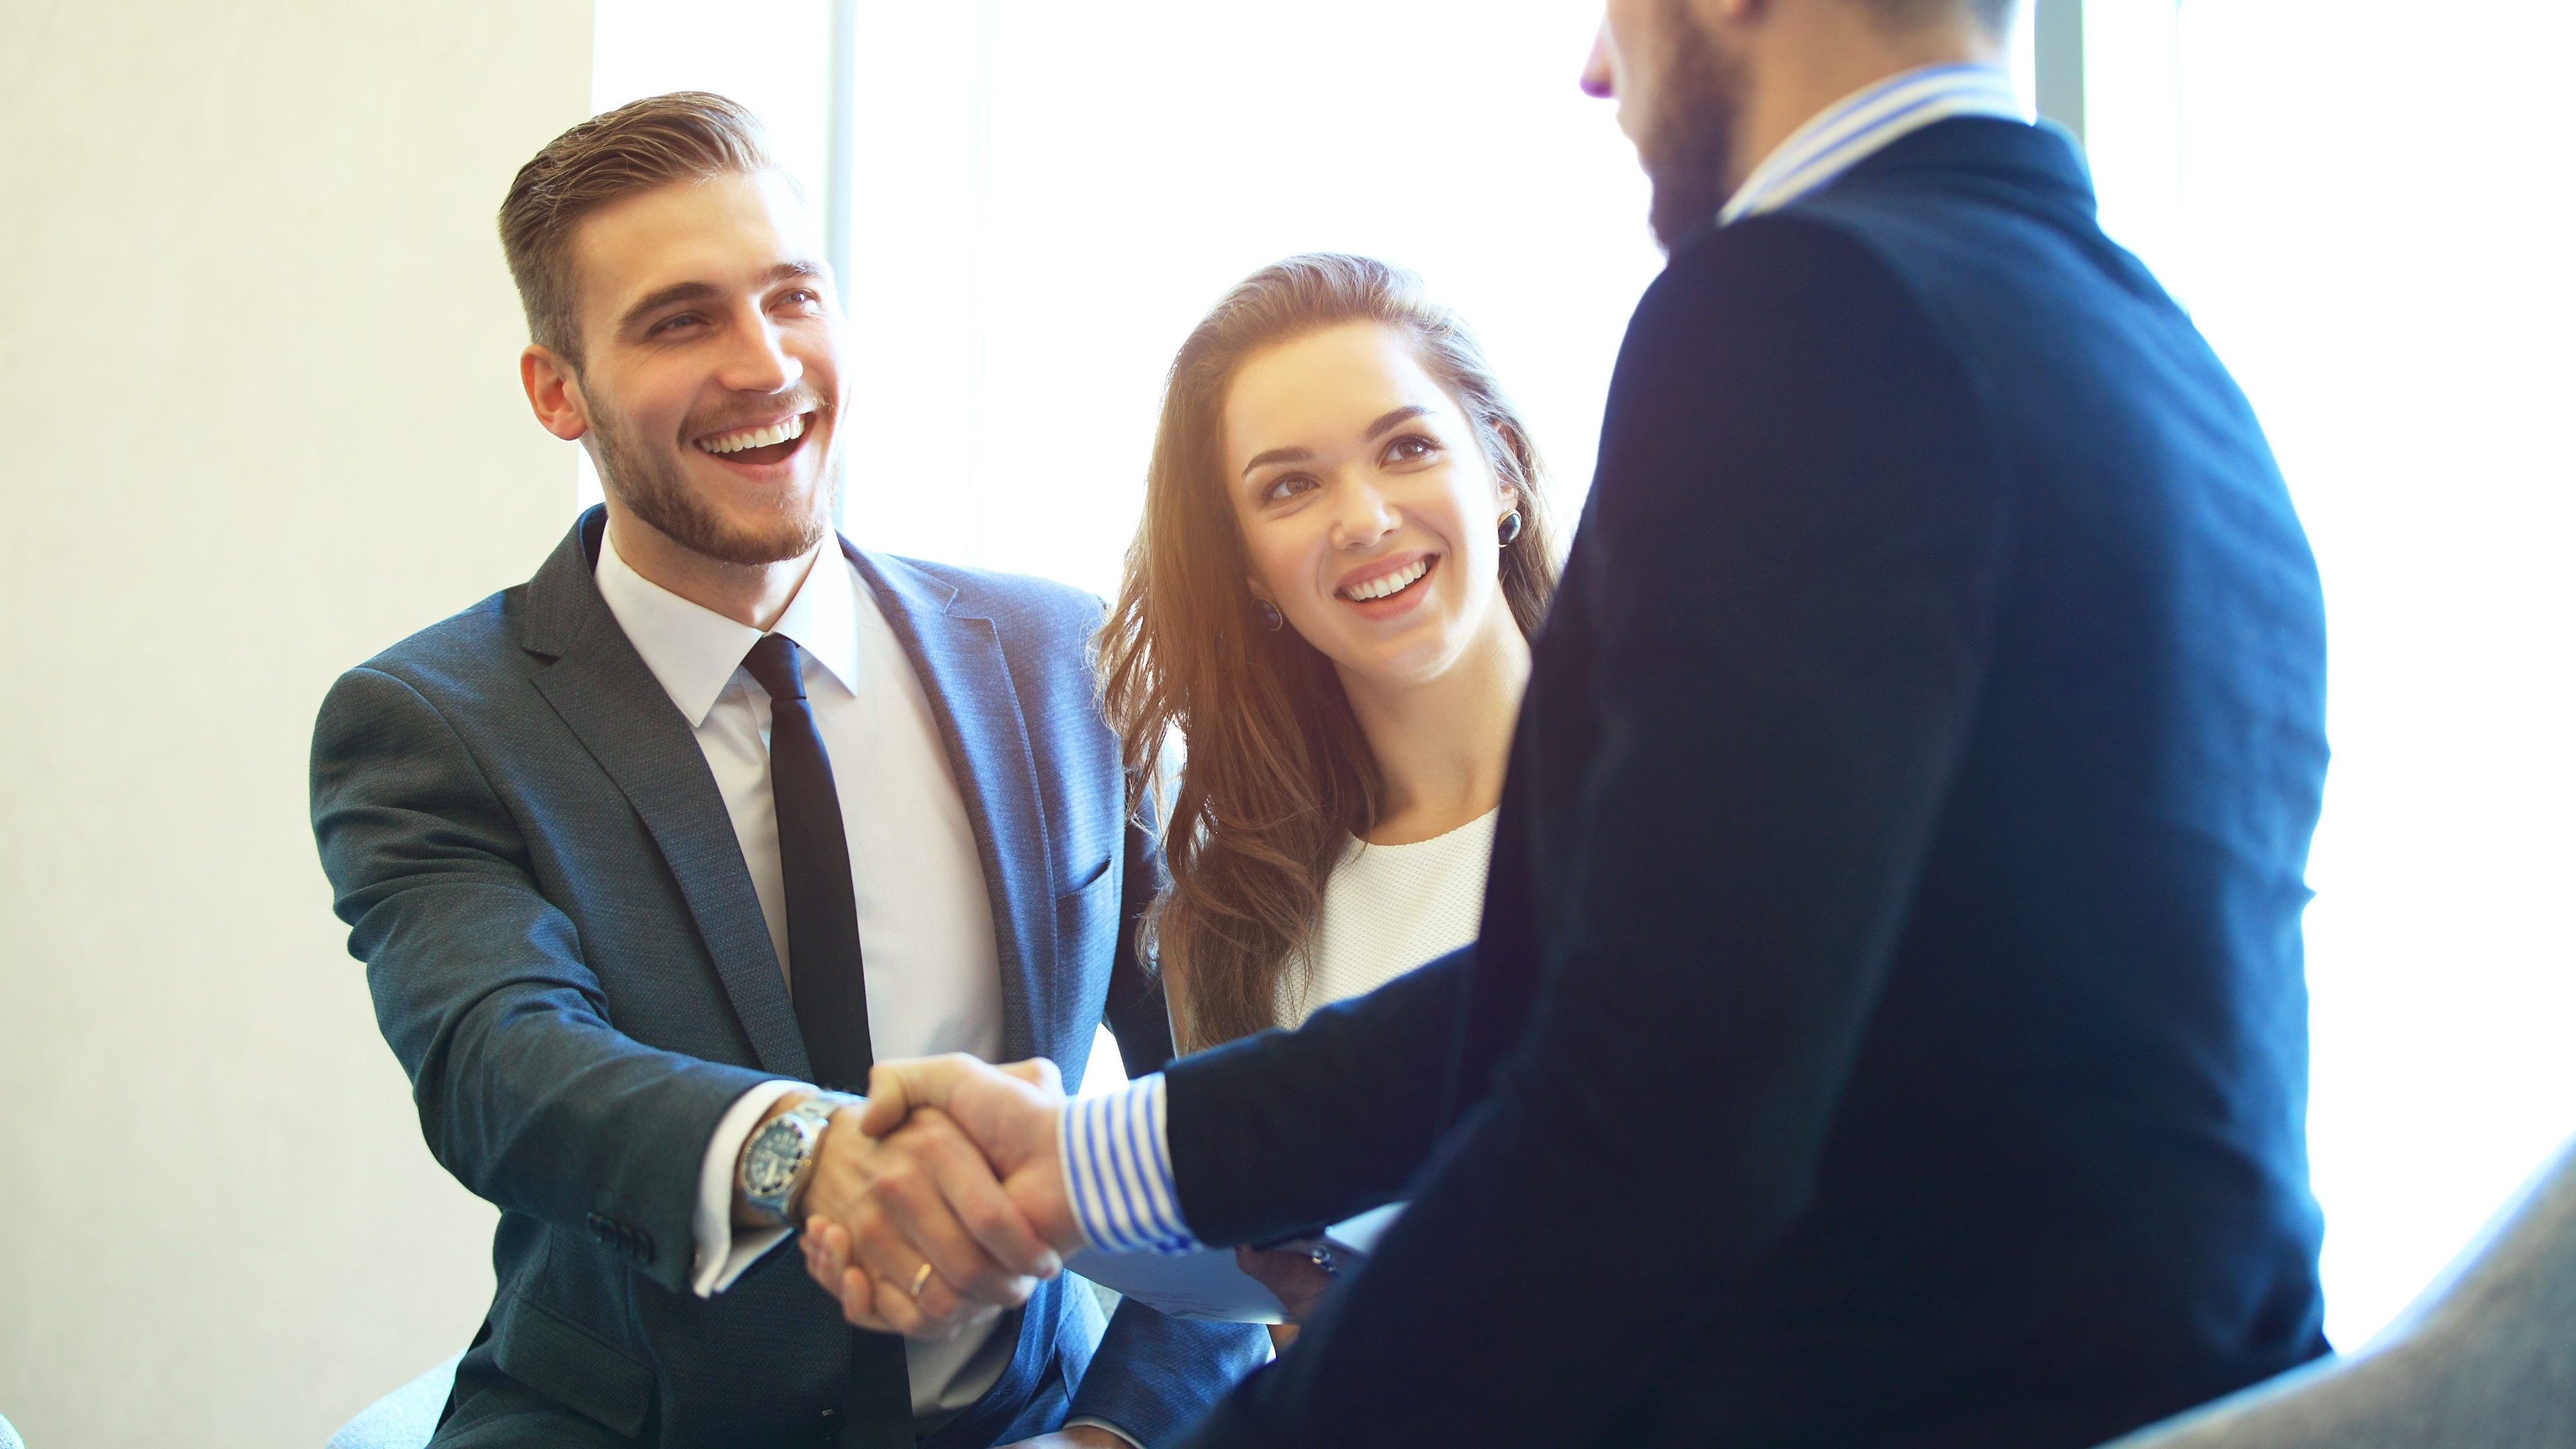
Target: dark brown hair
{"type": "Point", "coordinates": [1275, 776]}
{"type": "Point", "coordinates": [683, 136]}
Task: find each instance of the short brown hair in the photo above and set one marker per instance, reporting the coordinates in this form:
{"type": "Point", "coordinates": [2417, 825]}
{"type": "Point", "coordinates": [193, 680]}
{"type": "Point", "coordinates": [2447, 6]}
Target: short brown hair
{"type": "Point", "coordinates": [683, 136]}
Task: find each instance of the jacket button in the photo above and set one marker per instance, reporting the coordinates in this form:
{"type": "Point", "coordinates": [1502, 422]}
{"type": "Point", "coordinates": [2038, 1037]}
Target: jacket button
{"type": "Point", "coordinates": [827, 1426]}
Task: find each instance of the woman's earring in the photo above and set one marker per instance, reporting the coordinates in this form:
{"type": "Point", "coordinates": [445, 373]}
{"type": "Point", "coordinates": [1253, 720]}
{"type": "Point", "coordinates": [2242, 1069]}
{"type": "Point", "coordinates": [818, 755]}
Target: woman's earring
{"type": "Point", "coordinates": [1269, 613]}
{"type": "Point", "coordinates": [1510, 528]}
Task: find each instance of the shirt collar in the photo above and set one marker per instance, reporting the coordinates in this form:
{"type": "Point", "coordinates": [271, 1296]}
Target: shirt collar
{"type": "Point", "coordinates": [693, 651]}
{"type": "Point", "coordinates": [1865, 122]}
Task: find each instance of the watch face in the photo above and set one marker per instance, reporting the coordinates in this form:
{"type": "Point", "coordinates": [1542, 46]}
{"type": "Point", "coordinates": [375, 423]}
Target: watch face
{"type": "Point", "coordinates": [770, 1167]}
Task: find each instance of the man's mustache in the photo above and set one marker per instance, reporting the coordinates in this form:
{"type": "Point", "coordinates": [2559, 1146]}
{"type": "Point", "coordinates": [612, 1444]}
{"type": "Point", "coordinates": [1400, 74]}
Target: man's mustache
{"type": "Point", "coordinates": [799, 399]}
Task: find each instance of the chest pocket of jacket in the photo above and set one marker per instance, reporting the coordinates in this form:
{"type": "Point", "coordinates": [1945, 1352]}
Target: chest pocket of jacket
{"type": "Point", "coordinates": [1086, 927]}
{"type": "Point", "coordinates": [569, 1364]}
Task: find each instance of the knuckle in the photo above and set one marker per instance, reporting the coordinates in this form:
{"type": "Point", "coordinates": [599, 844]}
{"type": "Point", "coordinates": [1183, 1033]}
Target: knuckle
{"type": "Point", "coordinates": [988, 1223]}
{"type": "Point", "coordinates": [875, 1252]}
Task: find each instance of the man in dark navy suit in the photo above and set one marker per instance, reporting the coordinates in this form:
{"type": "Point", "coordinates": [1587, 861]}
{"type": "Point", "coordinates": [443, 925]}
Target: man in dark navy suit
{"type": "Point", "coordinates": [1889, 1024]}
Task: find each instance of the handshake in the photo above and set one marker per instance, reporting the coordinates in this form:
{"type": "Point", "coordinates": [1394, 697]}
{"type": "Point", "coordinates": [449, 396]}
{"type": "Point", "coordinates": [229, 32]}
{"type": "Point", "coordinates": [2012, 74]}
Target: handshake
{"type": "Point", "coordinates": [942, 1201]}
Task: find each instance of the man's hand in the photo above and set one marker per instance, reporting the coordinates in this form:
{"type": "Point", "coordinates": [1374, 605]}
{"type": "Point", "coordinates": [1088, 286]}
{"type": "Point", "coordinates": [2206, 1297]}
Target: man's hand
{"type": "Point", "coordinates": [896, 1202]}
{"type": "Point", "coordinates": [1000, 1224]}
{"type": "Point", "coordinates": [1293, 1278]}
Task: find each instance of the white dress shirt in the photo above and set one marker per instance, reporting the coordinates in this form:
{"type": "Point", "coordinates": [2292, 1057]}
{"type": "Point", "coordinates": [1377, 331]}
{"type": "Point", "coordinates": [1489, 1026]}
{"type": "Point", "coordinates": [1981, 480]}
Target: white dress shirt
{"type": "Point", "coordinates": [934, 980]}
{"type": "Point", "coordinates": [1117, 1152]}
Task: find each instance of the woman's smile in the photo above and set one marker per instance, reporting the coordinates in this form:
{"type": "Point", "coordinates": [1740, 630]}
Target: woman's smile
{"type": "Point", "coordinates": [1390, 586]}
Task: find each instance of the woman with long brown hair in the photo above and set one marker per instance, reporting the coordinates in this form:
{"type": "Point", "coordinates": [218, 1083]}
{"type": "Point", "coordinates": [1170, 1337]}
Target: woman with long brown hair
{"type": "Point", "coordinates": [1327, 608]}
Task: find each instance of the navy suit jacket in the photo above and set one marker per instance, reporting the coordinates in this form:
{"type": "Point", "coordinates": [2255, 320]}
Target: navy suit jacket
{"type": "Point", "coordinates": [567, 955]}
{"type": "Point", "coordinates": [1888, 1025]}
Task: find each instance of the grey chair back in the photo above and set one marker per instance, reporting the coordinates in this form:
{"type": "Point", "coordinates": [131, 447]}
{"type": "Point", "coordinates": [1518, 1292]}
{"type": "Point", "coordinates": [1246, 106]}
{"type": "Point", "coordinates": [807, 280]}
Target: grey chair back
{"type": "Point", "coordinates": [2485, 1359]}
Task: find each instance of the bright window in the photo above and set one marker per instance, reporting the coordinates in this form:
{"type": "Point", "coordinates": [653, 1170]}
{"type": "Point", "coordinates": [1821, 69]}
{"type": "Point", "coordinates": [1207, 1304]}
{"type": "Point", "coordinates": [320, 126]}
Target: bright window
{"type": "Point", "coordinates": [2363, 204]}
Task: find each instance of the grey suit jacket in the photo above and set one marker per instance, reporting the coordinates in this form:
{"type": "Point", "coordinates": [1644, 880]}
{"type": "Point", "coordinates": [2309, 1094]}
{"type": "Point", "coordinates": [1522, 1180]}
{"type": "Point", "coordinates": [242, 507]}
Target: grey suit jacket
{"type": "Point", "coordinates": [567, 955]}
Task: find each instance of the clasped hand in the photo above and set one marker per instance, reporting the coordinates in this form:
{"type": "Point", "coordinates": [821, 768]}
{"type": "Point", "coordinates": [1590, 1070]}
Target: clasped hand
{"type": "Point", "coordinates": [941, 1202]}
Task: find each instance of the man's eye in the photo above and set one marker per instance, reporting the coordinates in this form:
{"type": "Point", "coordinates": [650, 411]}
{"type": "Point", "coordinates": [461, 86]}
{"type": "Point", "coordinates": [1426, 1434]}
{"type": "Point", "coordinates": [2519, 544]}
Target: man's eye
{"type": "Point", "coordinates": [674, 324]}
{"type": "Point", "coordinates": [1287, 486]}
{"type": "Point", "coordinates": [805, 297]}
{"type": "Point", "coordinates": [1410, 448]}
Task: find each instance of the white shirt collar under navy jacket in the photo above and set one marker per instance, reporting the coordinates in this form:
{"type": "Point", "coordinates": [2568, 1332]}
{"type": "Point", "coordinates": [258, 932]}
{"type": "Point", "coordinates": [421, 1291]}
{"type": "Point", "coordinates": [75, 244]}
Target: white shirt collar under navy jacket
{"type": "Point", "coordinates": [1866, 122]}
{"type": "Point", "coordinates": [693, 651]}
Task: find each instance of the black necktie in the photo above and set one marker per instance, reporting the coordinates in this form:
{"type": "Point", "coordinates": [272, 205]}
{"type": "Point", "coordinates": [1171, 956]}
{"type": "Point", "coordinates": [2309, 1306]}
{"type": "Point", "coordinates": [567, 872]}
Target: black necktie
{"type": "Point", "coordinates": [823, 959]}
{"type": "Point", "coordinates": [830, 987]}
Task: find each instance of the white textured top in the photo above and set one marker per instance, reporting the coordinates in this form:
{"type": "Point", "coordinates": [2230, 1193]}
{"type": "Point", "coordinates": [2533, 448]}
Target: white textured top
{"type": "Point", "coordinates": [1388, 909]}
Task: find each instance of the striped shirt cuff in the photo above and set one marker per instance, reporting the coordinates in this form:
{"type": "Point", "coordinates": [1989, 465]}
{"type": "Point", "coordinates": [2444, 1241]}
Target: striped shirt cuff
{"type": "Point", "coordinates": [1118, 1172]}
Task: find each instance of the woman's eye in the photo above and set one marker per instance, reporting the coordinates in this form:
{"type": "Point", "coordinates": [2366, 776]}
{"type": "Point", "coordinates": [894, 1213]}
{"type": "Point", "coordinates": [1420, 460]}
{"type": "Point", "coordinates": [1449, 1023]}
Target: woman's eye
{"type": "Point", "coordinates": [1286, 486]}
{"type": "Point", "coordinates": [1410, 448]}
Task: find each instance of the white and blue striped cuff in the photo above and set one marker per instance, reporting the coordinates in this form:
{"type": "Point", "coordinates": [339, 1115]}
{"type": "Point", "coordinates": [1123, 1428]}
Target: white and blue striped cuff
{"type": "Point", "coordinates": [1118, 1171]}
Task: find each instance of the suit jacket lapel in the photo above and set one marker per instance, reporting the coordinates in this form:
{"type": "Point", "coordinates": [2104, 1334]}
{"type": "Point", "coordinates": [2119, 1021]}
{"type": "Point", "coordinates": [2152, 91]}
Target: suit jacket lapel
{"type": "Point", "coordinates": [610, 700]}
{"type": "Point", "coordinates": [963, 670]}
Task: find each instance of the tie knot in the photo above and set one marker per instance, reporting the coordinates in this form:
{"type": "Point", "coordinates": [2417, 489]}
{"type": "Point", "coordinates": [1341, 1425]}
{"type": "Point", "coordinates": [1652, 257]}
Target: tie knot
{"type": "Point", "coordinates": [775, 663]}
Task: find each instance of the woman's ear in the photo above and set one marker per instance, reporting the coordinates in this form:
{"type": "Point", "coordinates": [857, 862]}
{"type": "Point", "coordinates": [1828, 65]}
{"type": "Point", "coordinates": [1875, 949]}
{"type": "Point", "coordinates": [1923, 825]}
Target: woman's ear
{"type": "Point", "coordinates": [1512, 458]}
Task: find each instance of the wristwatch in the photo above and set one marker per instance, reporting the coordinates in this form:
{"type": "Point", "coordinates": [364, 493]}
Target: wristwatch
{"type": "Point", "coordinates": [780, 1156]}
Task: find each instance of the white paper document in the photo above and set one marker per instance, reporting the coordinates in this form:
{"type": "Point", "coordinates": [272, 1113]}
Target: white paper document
{"type": "Point", "coordinates": [1206, 1283]}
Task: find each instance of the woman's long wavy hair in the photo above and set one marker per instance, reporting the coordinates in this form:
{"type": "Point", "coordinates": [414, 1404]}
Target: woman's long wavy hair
{"type": "Point", "coordinates": [1275, 776]}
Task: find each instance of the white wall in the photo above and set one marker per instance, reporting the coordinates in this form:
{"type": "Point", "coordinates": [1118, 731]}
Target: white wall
{"type": "Point", "coordinates": [261, 419]}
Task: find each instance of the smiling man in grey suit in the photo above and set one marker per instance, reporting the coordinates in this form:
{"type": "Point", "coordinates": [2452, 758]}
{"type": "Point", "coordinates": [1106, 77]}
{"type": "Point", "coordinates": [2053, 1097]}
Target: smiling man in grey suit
{"type": "Point", "coordinates": [708, 814]}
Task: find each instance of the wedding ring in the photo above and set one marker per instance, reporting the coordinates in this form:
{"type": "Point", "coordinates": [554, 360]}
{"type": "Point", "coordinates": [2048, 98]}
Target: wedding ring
{"type": "Point", "coordinates": [921, 1280]}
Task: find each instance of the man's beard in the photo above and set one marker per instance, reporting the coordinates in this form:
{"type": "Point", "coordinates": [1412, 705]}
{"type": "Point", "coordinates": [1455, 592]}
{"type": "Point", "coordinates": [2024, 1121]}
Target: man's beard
{"type": "Point", "coordinates": [1689, 143]}
{"type": "Point", "coordinates": [652, 486]}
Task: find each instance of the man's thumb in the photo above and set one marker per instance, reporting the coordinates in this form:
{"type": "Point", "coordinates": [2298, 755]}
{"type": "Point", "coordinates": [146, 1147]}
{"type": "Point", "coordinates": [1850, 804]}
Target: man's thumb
{"type": "Point", "coordinates": [1038, 1072]}
{"type": "Point", "coordinates": [894, 1090]}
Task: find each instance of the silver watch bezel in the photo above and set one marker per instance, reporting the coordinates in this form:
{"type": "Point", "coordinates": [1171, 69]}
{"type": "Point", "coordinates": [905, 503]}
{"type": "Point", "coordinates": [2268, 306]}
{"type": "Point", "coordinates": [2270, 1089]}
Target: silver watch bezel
{"type": "Point", "coordinates": [805, 1122]}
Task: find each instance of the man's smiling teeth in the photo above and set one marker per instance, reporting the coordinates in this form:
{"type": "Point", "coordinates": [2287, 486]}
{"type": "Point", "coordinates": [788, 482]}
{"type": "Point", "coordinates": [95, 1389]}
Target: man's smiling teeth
{"type": "Point", "coordinates": [755, 437]}
{"type": "Point", "coordinates": [1385, 584]}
